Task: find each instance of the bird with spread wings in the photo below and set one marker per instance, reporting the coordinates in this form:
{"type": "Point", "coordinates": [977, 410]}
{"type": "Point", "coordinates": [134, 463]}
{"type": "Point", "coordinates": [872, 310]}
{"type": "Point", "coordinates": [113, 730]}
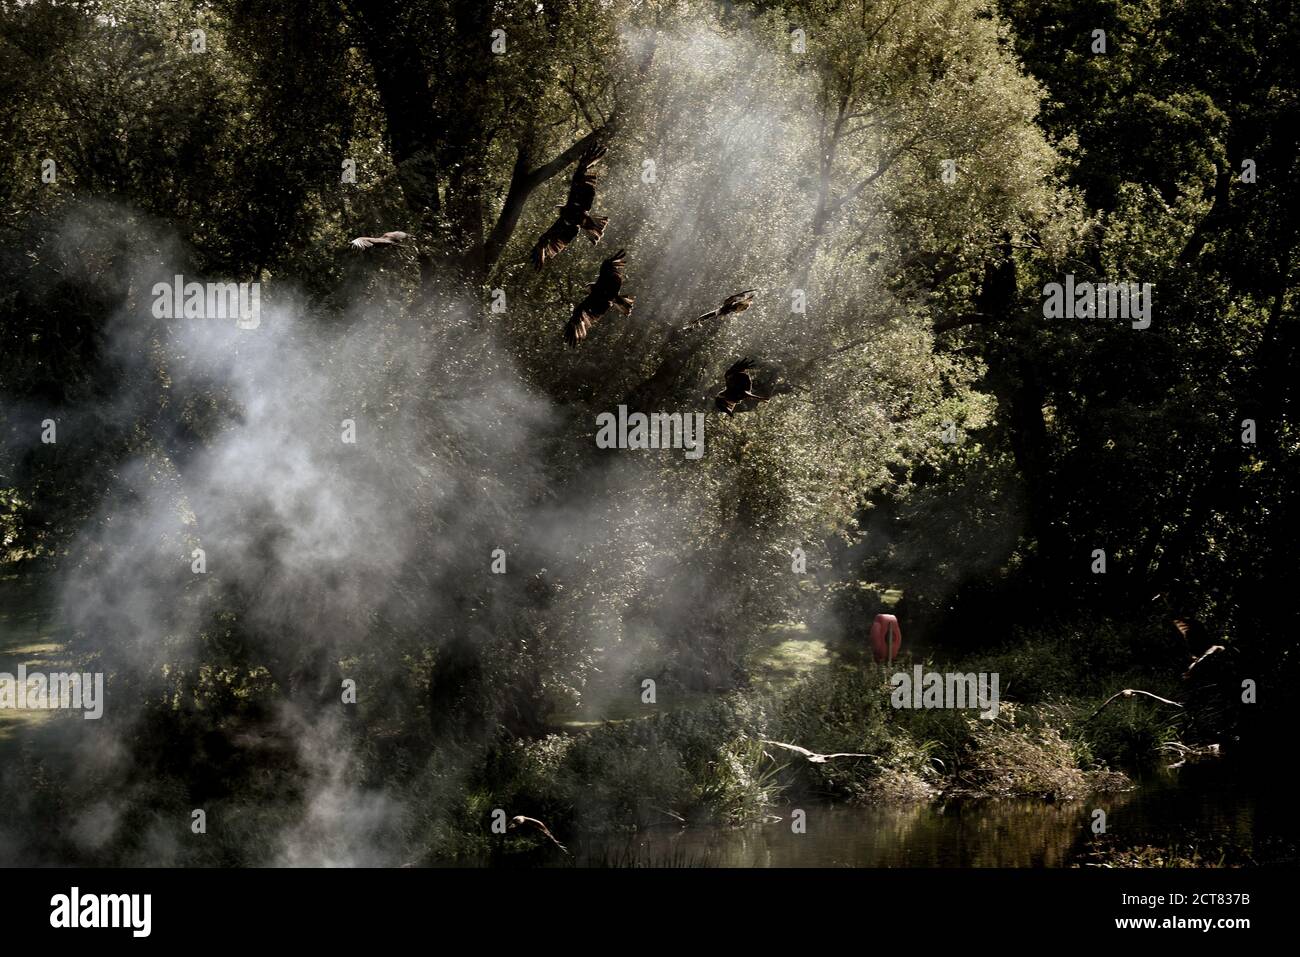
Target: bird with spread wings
{"type": "Point", "coordinates": [575, 214]}
{"type": "Point", "coordinates": [603, 294]}
{"type": "Point", "coordinates": [1196, 636]}
{"type": "Point", "coordinates": [739, 387]}
{"type": "Point", "coordinates": [1129, 693]}
{"type": "Point", "coordinates": [812, 756]}
{"type": "Point", "coordinates": [395, 238]}
{"type": "Point", "coordinates": [519, 820]}
{"type": "Point", "coordinates": [732, 304]}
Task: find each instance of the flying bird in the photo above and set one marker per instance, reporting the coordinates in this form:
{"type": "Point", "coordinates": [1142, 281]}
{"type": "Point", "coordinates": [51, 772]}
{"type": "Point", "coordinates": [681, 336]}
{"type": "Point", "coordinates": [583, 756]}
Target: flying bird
{"type": "Point", "coordinates": [737, 303]}
{"type": "Point", "coordinates": [1214, 649]}
{"type": "Point", "coordinates": [575, 214]}
{"type": "Point", "coordinates": [739, 387]}
{"type": "Point", "coordinates": [388, 239]}
{"type": "Point", "coordinates": [519, 821]}
{"type": "Point", "coordinates": [1128, 693]}
{"type": "Point", "coordinates": [812, 756]}
{"type": "Point", "coordinates": [603, 294]}
{"type": "Point", "coordinates": [1194, 633]}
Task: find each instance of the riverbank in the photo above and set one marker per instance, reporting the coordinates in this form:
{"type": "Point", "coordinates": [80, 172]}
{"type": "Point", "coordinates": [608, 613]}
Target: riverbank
{"type": "Point", "coordinates": [1208, 816]}
{"type": "Point", "coordinates": [632, 770]}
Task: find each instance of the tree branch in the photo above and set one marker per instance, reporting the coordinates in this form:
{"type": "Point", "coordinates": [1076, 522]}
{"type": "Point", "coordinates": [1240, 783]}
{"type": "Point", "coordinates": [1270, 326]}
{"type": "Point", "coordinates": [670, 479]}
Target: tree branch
{"type": "Point", "coordinates": [523, 183]}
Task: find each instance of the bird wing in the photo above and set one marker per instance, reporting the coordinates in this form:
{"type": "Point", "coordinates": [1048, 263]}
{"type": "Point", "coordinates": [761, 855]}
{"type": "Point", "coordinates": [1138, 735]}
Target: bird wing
{"type": "Point", "coordinates": [363, 242]}
{"type": "Point", "coordinates": [598, 300]}
{"type": "Point", "coordinates": [610, 279]}
{"type": "Point", "coordinates": [790, 747]}
{"type": "Point", "coordinates": [1190, 628]}
{"type": "Point", "coordinates": [579, 324]}
{"type": "Point", "coordinates": [547, 831]}
{"type": "Point", "coordinates": [582, 188]}
{"type": "Point", "coordinates": [1157, 697]}
{"type": "Point", "coordinates": [737, 303]}
{"type": "Point", "coordinates": [1128, 693]}
{"type": "Point", "coordinates": [1214, 649]}
{"type": "Point", "coordinates": [395, 237]}
{"type": "Point", "coordinates": [731, 302]}
{"type": "Point", "coordinates": [845, 754]}
{"type": "Point", "coordinates": [1194, 633]}
{"type": "Point", "coordinates": [738, 378]}
{"type": "Point", "coordinates": [553, 242]}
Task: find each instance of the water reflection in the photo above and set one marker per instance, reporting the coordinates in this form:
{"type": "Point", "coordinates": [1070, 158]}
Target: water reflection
{"type": "Point", "coordinates": [1210, 807]}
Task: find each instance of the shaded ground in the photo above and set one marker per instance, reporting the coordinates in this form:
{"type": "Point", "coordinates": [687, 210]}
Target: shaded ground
{"type": "Point", "coordinates": [785, 653]}
{"type": "Point", "coordinates": [27, 636]}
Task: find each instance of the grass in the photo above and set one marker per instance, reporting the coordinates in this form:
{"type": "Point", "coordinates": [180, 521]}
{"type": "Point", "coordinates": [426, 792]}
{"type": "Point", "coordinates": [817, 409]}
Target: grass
{"type": "Point", "coordinates": [782, 655]}
{"type": "Point", "coordinates": [694, 757]}
{"type": "Point", "coordinates": [597, 710]}
{"type": "Point", "coordinates": [785, 654]}
{"type": "Point", "coordinates": [1108, 855]}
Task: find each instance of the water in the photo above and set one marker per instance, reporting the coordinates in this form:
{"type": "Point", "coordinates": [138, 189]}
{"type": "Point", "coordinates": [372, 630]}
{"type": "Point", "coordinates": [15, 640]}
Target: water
{"type": "Point", "coordinates": [1210, 807]}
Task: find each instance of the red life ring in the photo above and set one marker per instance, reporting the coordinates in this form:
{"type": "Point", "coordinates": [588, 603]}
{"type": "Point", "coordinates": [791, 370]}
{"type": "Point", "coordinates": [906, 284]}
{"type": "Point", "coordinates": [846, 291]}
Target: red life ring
{"type": "Point", "coordinates": [886, 638]}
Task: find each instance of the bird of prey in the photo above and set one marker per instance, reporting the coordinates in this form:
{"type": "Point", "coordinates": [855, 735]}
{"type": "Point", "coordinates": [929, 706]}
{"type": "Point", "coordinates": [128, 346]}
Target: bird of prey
{"type": "Point", "coordinates": [812, 756]}
{"type": "Point", "coordinates": [575, 214]}
{"type": "Point", "coordinates": [737, 303]}
{"type": "Point", "coordinates": [602, 294]}
{"type": "Point", "coordinates": [388, 239]}
{"type": "Point", "coordinates": [740, 386]}
{"type": "Point", "coordinates": [1195, 634]}
{"type": "Point", "coordinates": [1128, 693]}
{"type": "Point", "coordinates": [1214, 649]}
{"type": "Point", "coordinates": [519, 821]}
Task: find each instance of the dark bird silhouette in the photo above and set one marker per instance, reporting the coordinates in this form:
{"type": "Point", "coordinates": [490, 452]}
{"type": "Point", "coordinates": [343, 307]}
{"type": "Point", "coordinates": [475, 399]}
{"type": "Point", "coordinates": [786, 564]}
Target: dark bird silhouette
{"type": "Point", "coordinates": [1214, 649]}
{"type": "Point", "coordinates": [575, 214]}
{"type": "Point", "coordinates": [739, 387]}
{"type": "Point", "coordinates": [732, 304]}
{"type": "Point", "coordinates": [388, 239]}
{"type": "Point", "coordinates": [1128, 693]}
{"type": "Point", "coordinates": [1195, 634]}
{"type": "Point", "coordinates": [603, 294]}
{"type": "Point", "coordinates": [519, 821]}
{"type": "Point", "coordinates": [812, 756]}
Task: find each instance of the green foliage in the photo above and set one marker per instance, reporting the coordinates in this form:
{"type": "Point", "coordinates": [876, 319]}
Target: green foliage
{"type": "Point", "coordinates": [1010, 755]}
{"type": "Point", "coordinates": [810, 175]}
